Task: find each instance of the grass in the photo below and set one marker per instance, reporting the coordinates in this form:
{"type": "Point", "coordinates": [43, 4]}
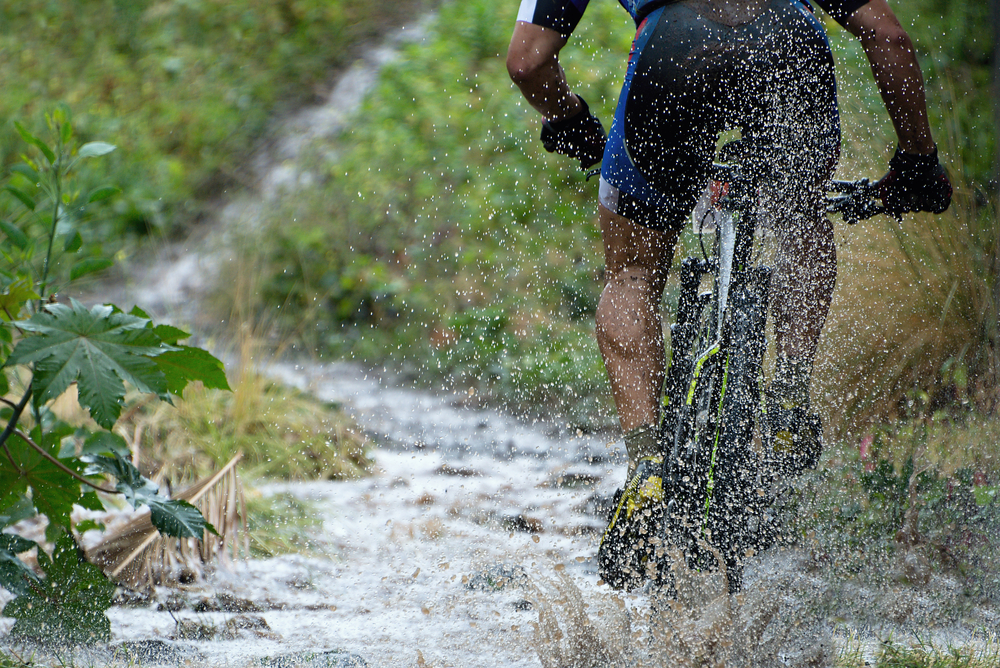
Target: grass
{"type": "Point", "coordinates": [924, 490]}
{"type": "Point", "coordinates": [984, 652]}
{"type": "Point", "coordinates": [282, 433]}
{"type": "Point", "coordinates": [185, 88]}
{"type": "Point", "coordinates": [281, 524]}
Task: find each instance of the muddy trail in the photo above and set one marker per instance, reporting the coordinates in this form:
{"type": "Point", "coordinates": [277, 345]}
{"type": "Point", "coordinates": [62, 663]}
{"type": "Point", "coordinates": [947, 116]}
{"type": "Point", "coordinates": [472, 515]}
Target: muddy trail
{"type": "Point", "coordinates": [473, 543]}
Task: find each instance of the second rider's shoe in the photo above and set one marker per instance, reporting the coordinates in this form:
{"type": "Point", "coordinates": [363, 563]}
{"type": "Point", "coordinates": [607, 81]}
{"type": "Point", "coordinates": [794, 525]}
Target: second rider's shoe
{"type": "Point", "coordinates": [794, 436]}
{"type": "Point", "coordinates": [627, 554]}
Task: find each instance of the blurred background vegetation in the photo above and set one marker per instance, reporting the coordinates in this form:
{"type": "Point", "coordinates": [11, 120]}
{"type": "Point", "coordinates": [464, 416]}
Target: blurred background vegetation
{"type": "Point", "coordinates": [442, 241]}
{"type": "Point", "coordinates": [185, 88]}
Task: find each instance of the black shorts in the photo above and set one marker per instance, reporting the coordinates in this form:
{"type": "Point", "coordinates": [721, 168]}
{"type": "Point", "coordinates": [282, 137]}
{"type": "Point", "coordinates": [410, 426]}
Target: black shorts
{"type": "Point", "coordinates": [689, 78]}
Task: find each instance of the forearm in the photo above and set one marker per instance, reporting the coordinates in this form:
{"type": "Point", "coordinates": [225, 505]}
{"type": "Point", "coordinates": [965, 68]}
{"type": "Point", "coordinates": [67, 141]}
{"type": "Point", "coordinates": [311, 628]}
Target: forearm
{"type": "Point", "coordinates": [897, 73]}
{"type": "Point", "coordinates": [533, 65]}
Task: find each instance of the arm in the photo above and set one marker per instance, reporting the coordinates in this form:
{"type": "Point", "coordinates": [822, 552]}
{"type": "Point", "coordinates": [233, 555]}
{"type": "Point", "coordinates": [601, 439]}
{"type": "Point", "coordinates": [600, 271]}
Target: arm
{"type": "Point", "coordinates": [533, 65]}
{"type": "Point", "coordinates": [897, 73]}
{"type": "Point", "coordinates": [568, 126]}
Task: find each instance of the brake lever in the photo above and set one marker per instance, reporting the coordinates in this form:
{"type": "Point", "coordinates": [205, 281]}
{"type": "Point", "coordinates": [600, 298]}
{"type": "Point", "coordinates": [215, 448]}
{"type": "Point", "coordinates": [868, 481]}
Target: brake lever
{"type": "Point", "coordinates": [858, 203]}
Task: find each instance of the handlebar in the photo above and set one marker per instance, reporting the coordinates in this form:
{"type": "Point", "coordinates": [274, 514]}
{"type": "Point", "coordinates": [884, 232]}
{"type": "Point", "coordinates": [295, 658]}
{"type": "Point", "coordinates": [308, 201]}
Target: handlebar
{"type": "Point", "coordinates": [854, 200]}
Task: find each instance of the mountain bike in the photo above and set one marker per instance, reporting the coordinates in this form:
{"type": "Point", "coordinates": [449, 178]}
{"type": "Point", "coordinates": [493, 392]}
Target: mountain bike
{"type": "Point", "coordinates": [718, 478]}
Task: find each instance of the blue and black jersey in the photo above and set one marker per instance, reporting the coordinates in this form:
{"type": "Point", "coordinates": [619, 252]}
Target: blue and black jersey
{"type": "Point", "coordinates": [563, 15]}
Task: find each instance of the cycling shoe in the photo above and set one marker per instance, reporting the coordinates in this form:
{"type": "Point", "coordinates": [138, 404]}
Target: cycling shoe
{"type": "Point", "coordinates": [794, 436]}
{"type": "Point", "coordinates": [627, 554]}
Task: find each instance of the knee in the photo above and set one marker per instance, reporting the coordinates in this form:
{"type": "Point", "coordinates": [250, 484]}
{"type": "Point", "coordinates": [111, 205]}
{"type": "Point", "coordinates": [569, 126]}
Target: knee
{"type": "Point", "coordinates": [628, 307]}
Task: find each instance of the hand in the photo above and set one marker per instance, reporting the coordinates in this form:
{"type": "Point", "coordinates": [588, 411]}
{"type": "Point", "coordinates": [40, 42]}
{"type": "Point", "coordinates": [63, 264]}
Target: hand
{"type": "Point", "coordinates": [914, 183]}
{"type": "Point", "coordinates": [580, 136]}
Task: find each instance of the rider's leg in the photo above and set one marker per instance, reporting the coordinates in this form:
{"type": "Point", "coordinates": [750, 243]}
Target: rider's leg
{"type": "Point", "coordinates": [629, 330]}
{"type": "Point", "coordinates": [802, 287]}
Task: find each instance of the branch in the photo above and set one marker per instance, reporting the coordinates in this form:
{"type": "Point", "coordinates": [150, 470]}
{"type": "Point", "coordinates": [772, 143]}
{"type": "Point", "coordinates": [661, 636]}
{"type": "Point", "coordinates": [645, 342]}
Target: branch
{"type": "Point", "coordinates": [12, 424]}
{"type": "Point", "coordinates": [62, 467]}
{"type": "Point", "coordinates": [8, 402]}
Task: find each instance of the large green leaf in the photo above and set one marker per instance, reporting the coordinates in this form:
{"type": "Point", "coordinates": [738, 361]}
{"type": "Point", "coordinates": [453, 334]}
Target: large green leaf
{"type": "Point", "coordinates": [53, 491]}
{"type": "Point", "coordinates": [186, 364]}
{"type": "Point", "coordinates": [68, 605]}
{"type": "Point", "coordinates": [171, 517]}
{"type": "Point", "coordinates": [98, 349]}
{"type": "Point", "coordinates": [15, 509]}
{"type": "Point", "coordinates": [15, 576]}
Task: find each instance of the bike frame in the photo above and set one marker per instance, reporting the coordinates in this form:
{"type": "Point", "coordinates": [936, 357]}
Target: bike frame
{"type": "Point", "coordinates": [717, 485]}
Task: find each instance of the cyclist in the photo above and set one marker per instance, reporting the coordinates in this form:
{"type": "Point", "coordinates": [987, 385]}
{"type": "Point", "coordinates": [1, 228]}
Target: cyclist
{"type": "Point", "coordinates": [698, 67]}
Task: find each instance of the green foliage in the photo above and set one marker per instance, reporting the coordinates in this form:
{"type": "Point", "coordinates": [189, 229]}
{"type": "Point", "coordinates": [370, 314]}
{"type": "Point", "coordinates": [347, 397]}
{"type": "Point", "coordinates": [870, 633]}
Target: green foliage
{"type": "Point", "coordinates": [442, 206]}
{"type": "Point", "coordinates": [281, 432]}
{"type": "Point", "coordinates": [68, 604]}
{"type": "Point", "coordinates": [282, 524]}
{"type": "Point", "coordinates": [47, 466]}
{"type": "Point", "coordinates": [15, 576]}
{"type": "Point", "coordinates": [896, 492]}
{"type": "Point", "coordinates": [188, 87]}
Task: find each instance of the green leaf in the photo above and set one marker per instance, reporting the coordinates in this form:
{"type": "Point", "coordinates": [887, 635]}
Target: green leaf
{"type": "Point", "coordinates": [96, 148]}
{"type": "Point", "coordinates": [91, 501]}
{"type": "Point", "coordinates": [175, 517]}
{"type": "Point", "coordinates": [19, 509]}
{"type": "Point", "coordinates": [87, 525]}
{"type": "Point", "coordinates": [73, 242]}
{"type": "Point", "coordinates": [66, 132]}
{"type": "Point", "coordinates": [36, 142]}
{"type": "Point", "coordinates": [27, 172]}
{"type": "Point", "coordinates": [89, 266]}
{"type": "Point", "coordinates": [105, 443]}
{"type": "Point", "coordinates": [169, 334]}
{"type": "Point", "coordinates": [178, 518]}
{"type": "Point", "coordinates": [53, 491]}
{"type": "Point", "coordinates": [14, 233]}
{"type": "Point", "coordinates": [187, 364]}
{"type": "Point", "coordinates": [15, 576]}
{"type": "Point", "coordinates": [13, 294]}
{"type": "Point", "coordinates": [21, 195]}
{"type": "Point", "coordinates": [98, 349]}
{"type": "Point", "coordinates": [102, 194]}
{"type": "Point", "coordinates": [68, 605]}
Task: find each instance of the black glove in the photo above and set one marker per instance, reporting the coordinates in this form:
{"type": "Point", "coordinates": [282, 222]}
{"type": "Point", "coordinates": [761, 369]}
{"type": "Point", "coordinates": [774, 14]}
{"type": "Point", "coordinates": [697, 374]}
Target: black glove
{"type": "Point", "coordinates": [914, 183]}
{"type": "Point", "coordinates": [580, 136]}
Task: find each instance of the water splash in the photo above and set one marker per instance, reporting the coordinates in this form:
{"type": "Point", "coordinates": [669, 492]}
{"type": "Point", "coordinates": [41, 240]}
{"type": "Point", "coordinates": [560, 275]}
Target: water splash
{"type": "Point", "coordinates": [703, 626]}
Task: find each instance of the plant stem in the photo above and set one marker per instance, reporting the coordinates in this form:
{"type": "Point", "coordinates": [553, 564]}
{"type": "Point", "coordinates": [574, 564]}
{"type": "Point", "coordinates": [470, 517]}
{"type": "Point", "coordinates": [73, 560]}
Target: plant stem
{"type": "Point", "coordinates": [62, 467]}
{"type": "Point", "coordinates": [57, 187]}
{"type": "Point", "coordinates": [12, 423]}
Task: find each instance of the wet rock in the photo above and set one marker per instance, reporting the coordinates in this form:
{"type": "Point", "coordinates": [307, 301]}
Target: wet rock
{"type": "Point", "coordinates": [523, 523]}
{"type": "Point", "coordinates": [497, 577]}
{"type": "Point", "coordinates": [188, 629]}
{"type": "Point", "coordinates": [150, 651]}
{"type": "Point", "coordinates": [173, 603]}
{"type": "Point", "coordinates": [126, 598]}
{"type": "Point", "coordinates": [224, 602]}
{"type": "Point", "coordinates": [572, 480]}
{"type": "Point", "coordinates": [330, 659]}
{"type": "Point", "coordinates": [461, 471]}
{"type": "Point", "coordinates": [252, 625]}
